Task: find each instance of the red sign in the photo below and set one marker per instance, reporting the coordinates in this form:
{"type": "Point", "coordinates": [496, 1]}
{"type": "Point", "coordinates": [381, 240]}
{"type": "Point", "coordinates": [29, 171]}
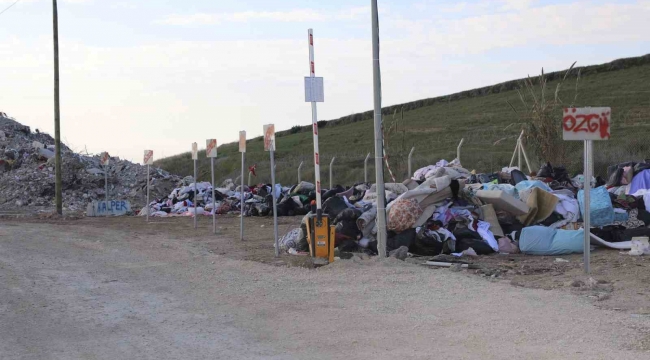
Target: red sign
{"type": "Point", "coordinates": [211, 148]}
{"type": "Point", "coordinates": [104, 159]}
{"type": "Point", "coordinates": [148, 157]}
{"type": "Point", "coordinates": [586, 123]}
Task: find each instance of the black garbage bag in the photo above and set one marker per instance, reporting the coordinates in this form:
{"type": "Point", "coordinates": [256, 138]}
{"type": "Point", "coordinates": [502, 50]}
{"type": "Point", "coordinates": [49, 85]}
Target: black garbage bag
{"type": "Point", "coordinates": [348, 246]}
{"type": "Point", "coordinates": [348, 215]}
{"type": "Point", "coordinates": [333, 191]}
{"type": "Point", "coordinates": [405, 238]}
{"type": "Point", "coordinates": [508, 222]}
{"type": "Point", "coordinates": [426, 245]}
{"type": "Point", "coordinates": [302, 210]}
{"type": "Point", "coordinates": [302, 243]}
{"type": "Point", "coordinates": [641, 166]}
{"type": "Point", "coordinates": [333, 206]}
{"type": "Point", "coordinates": [545, 171]}
{"type": "Point", "coordinates": [466, 238]}
{"type": "Point", "coordinates": [615, 177]}
{"type": "Point", "coordinates": [488, 178]}
{"type": "Point", "coordinates": [261, 209]}
{"type": "Point", "coordinates": [348, 229]}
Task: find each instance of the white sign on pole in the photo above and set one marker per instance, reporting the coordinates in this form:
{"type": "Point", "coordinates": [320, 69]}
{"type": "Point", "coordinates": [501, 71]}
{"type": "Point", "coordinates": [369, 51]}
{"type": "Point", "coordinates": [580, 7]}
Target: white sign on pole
{"type": "Point", "coordinates": [269, 137]}
{"type": "Point", "coordinates": [242, 141]}
{"type": "Point", "coordinates": [314, 90]}
{"type": "Point", "coordinates": [591, 123]}
{"type": "Point", "coordinates": [587, 124]}
{"type": "Point", "coordinates": [148, 157]}
{"type": "Point", "coordinates": [211, 148]}
{"type": "Point", "coordinates": [195, 151]}
{"type": "Point", "coordinates": [104, 159]}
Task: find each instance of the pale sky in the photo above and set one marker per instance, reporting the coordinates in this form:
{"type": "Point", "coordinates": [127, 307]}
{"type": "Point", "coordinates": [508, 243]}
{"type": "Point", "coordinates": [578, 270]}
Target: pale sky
{"type": "Point", "coordinates": [154, 74]}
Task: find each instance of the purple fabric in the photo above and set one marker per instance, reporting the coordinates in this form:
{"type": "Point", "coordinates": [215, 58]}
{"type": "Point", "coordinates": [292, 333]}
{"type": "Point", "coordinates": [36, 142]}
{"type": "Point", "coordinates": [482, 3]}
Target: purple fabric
{"type": "Point", "coordinates": [640, 181]}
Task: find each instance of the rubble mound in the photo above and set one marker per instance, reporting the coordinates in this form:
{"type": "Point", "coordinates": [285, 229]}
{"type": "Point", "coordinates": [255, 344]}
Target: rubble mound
{"type": "Point", "coordinates": [27, 174]}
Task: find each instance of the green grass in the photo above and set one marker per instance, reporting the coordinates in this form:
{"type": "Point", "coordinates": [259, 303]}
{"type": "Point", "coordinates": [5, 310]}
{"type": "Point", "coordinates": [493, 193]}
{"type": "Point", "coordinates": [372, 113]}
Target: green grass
{"type": "Point", "coordinates": [435, 126]}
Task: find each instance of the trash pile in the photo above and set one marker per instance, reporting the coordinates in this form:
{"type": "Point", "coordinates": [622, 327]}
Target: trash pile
{"type": "Point", "coordinates": [446, 209]}
{"type": "Point", "coordinates": [27, 173]}
{"type": "Point", "coordinates": [258, 200]}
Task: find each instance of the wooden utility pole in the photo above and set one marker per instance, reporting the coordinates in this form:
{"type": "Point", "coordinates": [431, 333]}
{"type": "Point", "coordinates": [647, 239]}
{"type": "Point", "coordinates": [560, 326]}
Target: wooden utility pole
{"type": "Point", "coordinates": [57, 114]}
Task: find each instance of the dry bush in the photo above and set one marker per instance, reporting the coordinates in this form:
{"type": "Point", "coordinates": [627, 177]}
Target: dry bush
{"type": "Point", "coordinates": [543, 117]}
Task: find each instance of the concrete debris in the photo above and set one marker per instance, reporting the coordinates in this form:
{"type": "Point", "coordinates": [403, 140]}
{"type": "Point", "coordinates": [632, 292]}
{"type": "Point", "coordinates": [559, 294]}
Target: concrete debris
{"type": "Point", "coordinates": [27, 174]}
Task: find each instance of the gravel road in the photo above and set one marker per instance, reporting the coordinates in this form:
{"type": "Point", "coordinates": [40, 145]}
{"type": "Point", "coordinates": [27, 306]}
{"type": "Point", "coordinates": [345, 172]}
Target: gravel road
{"type": "Point", "coordinates": [89, 292]}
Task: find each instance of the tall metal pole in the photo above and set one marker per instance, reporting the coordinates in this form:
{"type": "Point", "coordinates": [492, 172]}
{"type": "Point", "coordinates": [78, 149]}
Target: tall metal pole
{"type": "Point", "coordinates": [241, 220]}
{"type": "Point", "coordinates": [365, 169]}
{"type": "Point", "coordinates": [587, 201]}
{"type": "Point", "coordinates": [409, 164]}
{"type": "Point", "coordinates": [379, 166]}
{"type": "Point", "coordinates": [196, 195]}
{"type": "Point", "coordinates": [314, 122]}
{"type": "Point", "coordinates": [106, 187]}
{"type": "Point", "coordinates": [331, 173]}
{"type": "Point", "coordinates": [214, 204]}
{"type": "Point", "coordinates": [148, 184]}
{"type": "Point", "coordinates": [275, 205]}
{"type": "Point", "coordinates": [57, 114]}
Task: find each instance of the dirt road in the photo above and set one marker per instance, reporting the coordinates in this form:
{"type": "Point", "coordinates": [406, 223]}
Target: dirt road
{"type": "Point", "coordinates": [94, 289]}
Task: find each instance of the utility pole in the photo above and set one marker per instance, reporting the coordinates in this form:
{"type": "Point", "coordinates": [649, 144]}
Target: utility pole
{"type": "Point", "coordinates": [379, 166]}
{"type": "Point", "coordinates": [57, 114]}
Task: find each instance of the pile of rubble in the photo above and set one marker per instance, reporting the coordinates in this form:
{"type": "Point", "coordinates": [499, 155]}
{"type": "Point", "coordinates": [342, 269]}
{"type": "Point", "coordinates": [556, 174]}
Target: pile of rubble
{"type": "Point", "coordinates": [27, 174]}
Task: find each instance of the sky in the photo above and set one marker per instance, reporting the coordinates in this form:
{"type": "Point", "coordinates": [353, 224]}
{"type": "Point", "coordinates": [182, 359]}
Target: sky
{"type": "Point", "coordinates": [161, 74]}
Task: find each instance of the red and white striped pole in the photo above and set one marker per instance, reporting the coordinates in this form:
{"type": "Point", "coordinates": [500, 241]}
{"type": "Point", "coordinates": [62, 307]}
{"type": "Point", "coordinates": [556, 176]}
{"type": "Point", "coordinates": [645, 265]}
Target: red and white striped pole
{"type": "Point", "coordinates": [314, 121]}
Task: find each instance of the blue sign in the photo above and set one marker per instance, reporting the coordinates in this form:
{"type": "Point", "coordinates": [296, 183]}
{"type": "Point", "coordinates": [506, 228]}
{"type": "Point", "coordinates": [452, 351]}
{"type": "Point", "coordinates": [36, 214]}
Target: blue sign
{"type": "Point", "coordinates": [108, 208]}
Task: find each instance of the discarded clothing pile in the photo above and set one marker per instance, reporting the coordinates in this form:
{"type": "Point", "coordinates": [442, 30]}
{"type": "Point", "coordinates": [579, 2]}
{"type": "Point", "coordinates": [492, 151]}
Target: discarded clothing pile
{"type": "Point", "coordinates": [446, 209]}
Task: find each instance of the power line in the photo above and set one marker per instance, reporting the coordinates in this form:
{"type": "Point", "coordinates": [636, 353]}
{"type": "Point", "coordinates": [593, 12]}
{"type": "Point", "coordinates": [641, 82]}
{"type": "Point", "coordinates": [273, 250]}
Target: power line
{"type": "Point", "coordinates": [9, 7]}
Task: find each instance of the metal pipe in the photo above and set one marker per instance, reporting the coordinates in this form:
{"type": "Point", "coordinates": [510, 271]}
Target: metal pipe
{"type": "Point", "coordinates": [379, 166]}
{"type": "Point", "coordinates": [214, 204]}
{"type": "Point", "coordinates": [196, 195]}
{"type": "Point", "coordinates": [587, 204]}
{"type": "Point", "coordinates": [314, 122]}
{"type": "Point", "coordinates": [519, 154]}
{"type": "Point", "coordinates": [148, 185]}
{"type": "Point", "coordinates": [275, 205]}
{"type": "Point", "coordinates": [299, 175]}
{"type": "Point", "coordinates": [58, 187]}
{"type": "Point", "coordinates": [331, 176]}
{"type": "Point", "coordinates": [106, 186]}
{"type": "Point", "coordinates": [409, 164]}
{"type": "Point", "coordinates": [242, 149]}
{"type": "Point", "coordinates": [460, 144]}
{"type": "Point", "coordinates": [365, 169]}
{"type": "Point", "coordinates": [523, 151]}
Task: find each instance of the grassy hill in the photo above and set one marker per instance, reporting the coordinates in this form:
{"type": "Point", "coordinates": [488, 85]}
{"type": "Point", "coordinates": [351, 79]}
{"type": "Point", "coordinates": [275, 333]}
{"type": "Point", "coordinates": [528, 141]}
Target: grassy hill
{"type": "Point", "coordinates": [489, 119]}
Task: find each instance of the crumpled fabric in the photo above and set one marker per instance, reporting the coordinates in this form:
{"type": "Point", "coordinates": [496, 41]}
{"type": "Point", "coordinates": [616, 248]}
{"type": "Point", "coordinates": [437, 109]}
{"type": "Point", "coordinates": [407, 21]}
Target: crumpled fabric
{"type": "Point", "coordinates": [403, 215]}
{"type": "Point", "coordinates": [568, 207]}
{"type": "Point", "coordinates": [366, 221]}
{"type": "Point", "coordinates": [422, 173]}
{"type": "Point", "coordinates": [506, 188]}
{"type": "Point", "coordinates": [484, 230]}
{"type": "Point", "coordinates": [290, 240]}
{"type": "Point", "coordinates": [640, 182]}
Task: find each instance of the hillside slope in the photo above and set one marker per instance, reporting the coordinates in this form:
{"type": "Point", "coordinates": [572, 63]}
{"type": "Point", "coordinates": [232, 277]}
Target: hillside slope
{"type": "Point", "coordinates": [434, 127]}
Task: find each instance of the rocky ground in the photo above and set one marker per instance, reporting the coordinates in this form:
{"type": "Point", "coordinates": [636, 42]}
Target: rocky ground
{"type": "Point", "coordinates": [27, 174]}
